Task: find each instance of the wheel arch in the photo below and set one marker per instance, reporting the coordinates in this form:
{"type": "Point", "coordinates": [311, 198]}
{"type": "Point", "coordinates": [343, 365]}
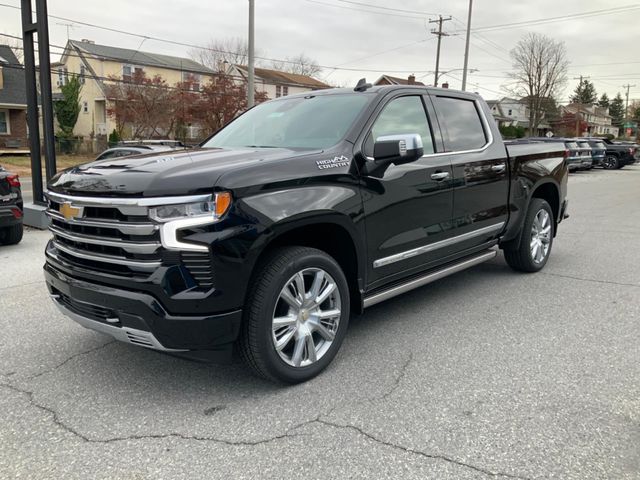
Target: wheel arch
{"type": "Point", "coordinates": [332, 233]}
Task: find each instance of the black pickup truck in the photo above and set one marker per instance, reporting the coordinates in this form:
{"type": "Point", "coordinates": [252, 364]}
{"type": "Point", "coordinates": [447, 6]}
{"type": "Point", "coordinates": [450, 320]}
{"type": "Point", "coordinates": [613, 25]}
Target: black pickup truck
{"type": "Point", "coordinates": [617, 155]}
{"type": "Point", "coordinates": [11, 208]}
{"type": "Point", "coordinates": [301, 211]}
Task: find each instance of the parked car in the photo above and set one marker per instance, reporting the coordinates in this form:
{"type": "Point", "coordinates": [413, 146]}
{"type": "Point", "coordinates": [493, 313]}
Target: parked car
{"type": "Point", "coordinates": [572, 153]}
{"type": "Point", "coordinates": [164, 143]}
{"type": "Point", "coordinates": [598, 151]}
{"type": "Point", "coordinates": [584, 150]}
{"type": "Point", "coordinates": [117, 152]}
{"type": "Point", "coordinates": [300, 211]}
{"type": "Point", "coordinates": [617, 155]}
{"type": "Point", "coordinates": [11, 208]}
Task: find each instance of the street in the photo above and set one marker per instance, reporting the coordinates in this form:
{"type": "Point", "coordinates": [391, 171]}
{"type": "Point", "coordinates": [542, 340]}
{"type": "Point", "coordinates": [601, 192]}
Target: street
{"type": "Point", "coordinates": [485, 374]}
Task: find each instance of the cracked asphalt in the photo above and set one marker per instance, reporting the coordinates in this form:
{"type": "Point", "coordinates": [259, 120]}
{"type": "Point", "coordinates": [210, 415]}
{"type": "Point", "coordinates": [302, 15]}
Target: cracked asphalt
{"type": "Point", "coordinates": [485, 374]}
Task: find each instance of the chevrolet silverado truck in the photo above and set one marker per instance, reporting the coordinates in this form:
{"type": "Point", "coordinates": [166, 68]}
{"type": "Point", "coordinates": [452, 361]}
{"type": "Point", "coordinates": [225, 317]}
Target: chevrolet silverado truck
{"type": "Point", "coordinates": [11, 208]}
{"type": "Point", "coordinates": [301, 211]}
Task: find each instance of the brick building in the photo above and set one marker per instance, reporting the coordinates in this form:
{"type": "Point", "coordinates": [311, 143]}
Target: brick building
{"type": "Point", "coordinates": [13, 102]}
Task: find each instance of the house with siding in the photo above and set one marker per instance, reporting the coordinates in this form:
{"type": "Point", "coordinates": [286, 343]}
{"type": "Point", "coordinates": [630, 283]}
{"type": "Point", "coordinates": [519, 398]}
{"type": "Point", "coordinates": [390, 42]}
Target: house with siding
{"type": "Point", "coordinates": [13, 102]}
{"type": "Point", "coordinates": [95, 65]}
{"type": "Point", "coordinates": [276, 83]}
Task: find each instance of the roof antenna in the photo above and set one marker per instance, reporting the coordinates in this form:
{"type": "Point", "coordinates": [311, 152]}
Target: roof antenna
{"type": "Point", "coordinates": [362, 85]}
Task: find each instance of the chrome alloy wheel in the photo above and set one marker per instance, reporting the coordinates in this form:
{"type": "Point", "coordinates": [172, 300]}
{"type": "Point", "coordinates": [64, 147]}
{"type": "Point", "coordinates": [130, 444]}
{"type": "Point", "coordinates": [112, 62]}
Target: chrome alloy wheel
{"type": "Point", "coordinates": [540, 236]}
{"type": "Point", "coordinates": [306, 317]}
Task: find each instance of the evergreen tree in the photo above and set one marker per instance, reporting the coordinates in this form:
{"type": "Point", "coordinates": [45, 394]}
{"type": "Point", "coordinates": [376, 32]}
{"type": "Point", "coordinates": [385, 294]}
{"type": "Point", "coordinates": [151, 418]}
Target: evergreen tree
{"type": "Point", "coordinates": [616, 110]}
{"type": "Point", "coordinates": [604, 101]}
{"type": "Point", "coordinates": [585, 93]}
{"type": "Point", "coordinates": [67, 110]}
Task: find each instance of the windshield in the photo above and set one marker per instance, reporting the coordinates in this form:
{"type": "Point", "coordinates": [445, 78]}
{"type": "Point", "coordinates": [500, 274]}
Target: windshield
{"type": "Point", "coordinates": [571, 145]}
{"type": "Point", "coordinates": [600, 146]}
{"type": "Point", "coordinates": [301, 122]}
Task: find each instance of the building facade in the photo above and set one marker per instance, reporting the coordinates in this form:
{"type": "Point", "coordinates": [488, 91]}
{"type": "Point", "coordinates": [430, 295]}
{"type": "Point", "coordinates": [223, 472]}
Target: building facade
{"type": "Point", "coordinates": [97, 66]}
{"type": "Point", "coordinates": [275, 83]}
{"type": "Point", "coordinates": [13, 102]}
{"type": "Point", "coordinates": [596, 119]}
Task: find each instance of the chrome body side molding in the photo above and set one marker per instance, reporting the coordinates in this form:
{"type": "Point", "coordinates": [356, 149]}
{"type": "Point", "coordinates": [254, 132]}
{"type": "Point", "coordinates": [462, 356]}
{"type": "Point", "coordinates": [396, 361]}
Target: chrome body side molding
{"type": "Point", "coordinates": [428, 278]}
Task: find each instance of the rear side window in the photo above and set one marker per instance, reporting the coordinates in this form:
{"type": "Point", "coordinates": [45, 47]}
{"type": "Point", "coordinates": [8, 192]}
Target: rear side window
{"type": "Point", "coordinates": [461, 124]}
{"type": "Point", "coordinates": [400, 116]}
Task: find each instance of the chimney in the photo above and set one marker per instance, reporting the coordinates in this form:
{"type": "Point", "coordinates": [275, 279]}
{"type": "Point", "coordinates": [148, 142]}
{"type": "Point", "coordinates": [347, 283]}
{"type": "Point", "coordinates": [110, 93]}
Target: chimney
{"type": "Point", "coordinates": [445, 85]}
{"type": "Point", "coordinates": [411, 80]}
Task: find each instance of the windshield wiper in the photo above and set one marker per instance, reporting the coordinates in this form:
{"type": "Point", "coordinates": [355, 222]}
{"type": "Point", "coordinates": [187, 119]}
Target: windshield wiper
{"type": "Point", "coordinates": [261, 146]}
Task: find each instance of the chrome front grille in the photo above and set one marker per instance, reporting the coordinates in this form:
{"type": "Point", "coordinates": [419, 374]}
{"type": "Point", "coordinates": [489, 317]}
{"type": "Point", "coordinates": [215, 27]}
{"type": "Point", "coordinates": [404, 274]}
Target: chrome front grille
{"type": "Point", "coordinates": [114, 239]}
{"type": "Point", "coordinates": [118, 237]}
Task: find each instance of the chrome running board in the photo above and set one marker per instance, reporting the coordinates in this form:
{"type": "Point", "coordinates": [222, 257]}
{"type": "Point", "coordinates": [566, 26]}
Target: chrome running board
{"type": "Point", "coordinates": [430, 277]}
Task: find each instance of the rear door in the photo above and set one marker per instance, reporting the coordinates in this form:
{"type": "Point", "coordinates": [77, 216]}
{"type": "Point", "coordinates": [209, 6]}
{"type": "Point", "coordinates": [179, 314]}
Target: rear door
{"type": "Point", "coordinates": [480, 169]}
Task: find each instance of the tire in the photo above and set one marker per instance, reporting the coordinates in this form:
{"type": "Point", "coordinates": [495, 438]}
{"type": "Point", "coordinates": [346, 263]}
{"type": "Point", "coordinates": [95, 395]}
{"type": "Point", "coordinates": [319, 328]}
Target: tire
{"type": "Point", "coordinates": [528, 258]}
{"type": "Point", "coordinates": [11, 235]}
{"type": "Point", "coordinates": [610, 162]}
{"type": "Point", "coordinates": [300, 326]}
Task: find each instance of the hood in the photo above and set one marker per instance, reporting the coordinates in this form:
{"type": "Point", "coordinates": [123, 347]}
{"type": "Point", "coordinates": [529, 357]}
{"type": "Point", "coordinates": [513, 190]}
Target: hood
{"type": "Point", "coordinates": [182, 172]}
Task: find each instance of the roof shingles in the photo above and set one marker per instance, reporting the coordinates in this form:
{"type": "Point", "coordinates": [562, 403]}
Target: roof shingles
{"type": "Point", "coordinates": [137, 57]}
{"type": "Point", "coordinates": [14, 90]}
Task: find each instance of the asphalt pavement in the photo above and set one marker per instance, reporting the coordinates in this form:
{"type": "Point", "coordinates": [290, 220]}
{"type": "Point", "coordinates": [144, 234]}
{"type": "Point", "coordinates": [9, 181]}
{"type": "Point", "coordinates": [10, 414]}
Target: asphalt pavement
{"type": "Point", "coordinates": [485, 374]}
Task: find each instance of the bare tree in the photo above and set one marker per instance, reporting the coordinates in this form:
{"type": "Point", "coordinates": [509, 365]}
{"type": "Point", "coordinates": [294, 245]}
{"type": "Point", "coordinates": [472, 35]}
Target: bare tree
{"type": "Point", "coordinates": [540, 64]}
{"type": "Point", "coordinates": [300, 64]}
{"type": "Point", "coordinates": [218, 51]}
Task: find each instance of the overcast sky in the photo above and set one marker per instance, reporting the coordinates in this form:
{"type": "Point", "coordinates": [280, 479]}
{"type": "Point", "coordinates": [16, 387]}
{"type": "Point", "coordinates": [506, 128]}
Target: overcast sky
{"type": "Point", "coordinates": [350, 35]}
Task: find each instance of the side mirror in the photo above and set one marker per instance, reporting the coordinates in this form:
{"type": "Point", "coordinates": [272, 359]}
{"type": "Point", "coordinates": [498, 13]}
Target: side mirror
{"type": "Point", "coordinates": [396, 149]}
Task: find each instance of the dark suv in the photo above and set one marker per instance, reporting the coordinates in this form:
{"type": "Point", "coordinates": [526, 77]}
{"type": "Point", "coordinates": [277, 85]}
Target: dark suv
{"type": "Point", "coordinates": [10, 208]}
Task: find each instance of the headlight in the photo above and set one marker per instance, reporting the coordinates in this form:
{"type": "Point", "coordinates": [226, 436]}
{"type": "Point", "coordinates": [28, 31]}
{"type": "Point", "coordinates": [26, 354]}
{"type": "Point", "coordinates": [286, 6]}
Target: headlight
{"type": "Point", "coordinates": [212, 210]}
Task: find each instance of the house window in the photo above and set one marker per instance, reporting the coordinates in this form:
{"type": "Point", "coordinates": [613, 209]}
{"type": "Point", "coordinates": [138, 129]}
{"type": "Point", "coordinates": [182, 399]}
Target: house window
{"type": "Point", "coordinates": [192, 79]}
{"type": "Point", "coordinates": [285, 91]}
{"type": "Point", "coordinates": [85, 107]}
{"type": "Point", "coordinates": [4, 122]}
{"type": "Point", "coordinates": [83, 71]}
{"type": "Point", "coordinates": [278, 91]}
{"type": "Point", "coordinates": [63, 76]}
{"type": "Point", "coordinates": [127, 71]}
{"type": "Point", "coordinates": [510, 112]}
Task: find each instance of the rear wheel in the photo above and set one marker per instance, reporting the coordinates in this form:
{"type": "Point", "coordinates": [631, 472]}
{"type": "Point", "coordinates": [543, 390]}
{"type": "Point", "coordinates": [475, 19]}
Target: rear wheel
{"type": "Point", "coordinates": [11, 235]}
{"type": "Point", "coordinates": [536, 239]}
{"type": "Point", "coordinates": [296, 315]}
{"type": "Point", "coordinates": [610, 162]}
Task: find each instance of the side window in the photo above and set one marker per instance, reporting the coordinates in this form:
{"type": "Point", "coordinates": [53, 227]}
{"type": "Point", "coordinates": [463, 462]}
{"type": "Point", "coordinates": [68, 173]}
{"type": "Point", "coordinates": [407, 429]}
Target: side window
{"type": "Point", "coordinates": [460, 123]}
{"type": "Point", "coordinates": [400, 116]}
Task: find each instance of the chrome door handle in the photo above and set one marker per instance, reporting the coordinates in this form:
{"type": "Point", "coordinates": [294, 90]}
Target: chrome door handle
{"type": "Point", "coordinates": [439, 176]}
{"type": "Point", "coordinates": [499, 168]}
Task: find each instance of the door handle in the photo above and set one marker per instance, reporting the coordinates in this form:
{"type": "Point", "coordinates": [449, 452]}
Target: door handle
{"type": "Point", "coordinates": [499, 168]}
{"type": "Point", "coordinates": [439, 176]}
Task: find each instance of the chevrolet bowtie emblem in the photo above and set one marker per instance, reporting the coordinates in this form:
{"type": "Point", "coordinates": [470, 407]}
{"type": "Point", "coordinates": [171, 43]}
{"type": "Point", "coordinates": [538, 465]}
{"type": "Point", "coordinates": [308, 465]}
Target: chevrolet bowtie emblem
{"type": "Point", "coordinates": [70, 212]}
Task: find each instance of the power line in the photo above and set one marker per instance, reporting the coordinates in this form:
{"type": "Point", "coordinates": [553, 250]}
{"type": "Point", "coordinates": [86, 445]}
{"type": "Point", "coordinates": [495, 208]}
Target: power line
{"type": "Point", "coordinates": [387, 8]}
{"type": "Point", "coordinates": [386, 14]}
{"type": "Point", "coordinates": [540, 21]}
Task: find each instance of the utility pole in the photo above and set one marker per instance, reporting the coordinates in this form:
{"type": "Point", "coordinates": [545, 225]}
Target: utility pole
{"type": "Point", "coordinates": [626, 104]}
{"type": "Point", "coordinates": [466, 48]}
{"type": "Point", "coordinates": [440, 34]}
{"type": "Point", "coordinates": [251, 66]}
{"type": "Point", "coordinates": [581, 78]}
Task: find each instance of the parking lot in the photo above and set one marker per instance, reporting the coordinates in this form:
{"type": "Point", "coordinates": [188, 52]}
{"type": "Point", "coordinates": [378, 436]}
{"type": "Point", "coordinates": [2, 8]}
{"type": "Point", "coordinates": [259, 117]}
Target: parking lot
{"type": "Point", "coordinates": [485, 374]}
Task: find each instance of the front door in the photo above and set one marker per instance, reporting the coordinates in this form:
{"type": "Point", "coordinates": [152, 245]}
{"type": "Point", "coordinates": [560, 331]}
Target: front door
{"type": "Point", "coordinates": [408, 210]}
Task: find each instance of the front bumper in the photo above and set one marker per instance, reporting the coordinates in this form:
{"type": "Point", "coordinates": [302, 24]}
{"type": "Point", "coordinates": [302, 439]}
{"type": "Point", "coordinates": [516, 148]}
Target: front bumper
{"type": "Point", "coordinates": [138, 318]}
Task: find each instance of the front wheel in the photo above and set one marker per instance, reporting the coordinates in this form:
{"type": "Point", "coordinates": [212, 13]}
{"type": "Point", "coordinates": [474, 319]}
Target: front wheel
{"type": "Point", "coordinates": [536, 239]}
{"type": "Point", "coordinates": [296, 315]}
{"type": "Point", "coordinates": [610, 162]}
